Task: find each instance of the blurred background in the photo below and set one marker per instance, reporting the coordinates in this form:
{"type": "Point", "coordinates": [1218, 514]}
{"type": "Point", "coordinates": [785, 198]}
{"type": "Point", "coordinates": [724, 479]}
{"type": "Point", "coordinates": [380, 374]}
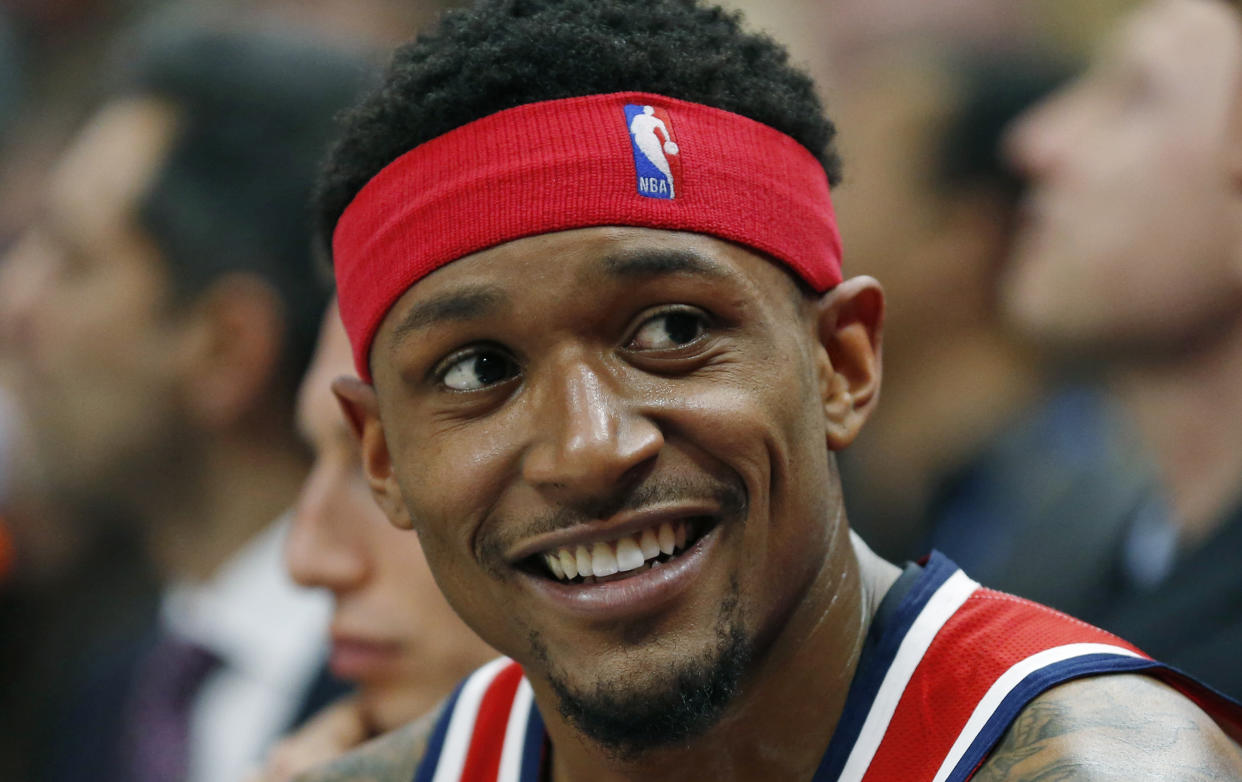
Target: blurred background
{"type": "Point", "coordinates": [1025, 457]}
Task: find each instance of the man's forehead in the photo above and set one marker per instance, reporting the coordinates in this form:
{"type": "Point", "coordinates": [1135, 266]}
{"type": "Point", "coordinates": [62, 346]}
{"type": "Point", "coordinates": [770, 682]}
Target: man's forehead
{"type": "Point", "coordinates": [115, 157]}
{"type": "Point", "coordinates": [1173, 30]}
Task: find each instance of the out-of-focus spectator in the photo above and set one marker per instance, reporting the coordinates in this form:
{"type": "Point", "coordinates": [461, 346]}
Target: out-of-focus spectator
{"type": "Point", "coordinates": [393, 633]}
{"type": "Point", "coordinates": [159, 313]}
{"type": "Point", "coordinates": [1128, 264]}
{"type": "Point", "coordinates": [926, 130]}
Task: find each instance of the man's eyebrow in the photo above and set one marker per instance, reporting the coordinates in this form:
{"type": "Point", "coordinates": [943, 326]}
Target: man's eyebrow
{"type": "Point", "coordinates": [633, 264]}
{"type": "Point", "coordinates": [458, 305]}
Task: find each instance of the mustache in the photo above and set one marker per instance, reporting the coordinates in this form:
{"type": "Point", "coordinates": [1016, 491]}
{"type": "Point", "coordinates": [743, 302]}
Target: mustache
{"type": "Point", "coordinates": [730, 496]}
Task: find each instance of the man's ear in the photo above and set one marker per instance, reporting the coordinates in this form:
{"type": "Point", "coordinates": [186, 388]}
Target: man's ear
{"type": "Point", "coordinates": [850, 321]}
{"type": "Point", "coordinates": [232, 351]}
{"type": "Point", "coordinates": [361, 408]}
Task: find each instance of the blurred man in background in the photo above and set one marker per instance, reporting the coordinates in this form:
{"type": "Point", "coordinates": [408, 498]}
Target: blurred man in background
{"type": "Point", "coordinates": [928, 125]}
{"type": "Point", "coordinates": [392, 630]}
{"type": "Point", "coordinates": [1128, 262]}
{"type": "Point", "coordinates": [159, 313]}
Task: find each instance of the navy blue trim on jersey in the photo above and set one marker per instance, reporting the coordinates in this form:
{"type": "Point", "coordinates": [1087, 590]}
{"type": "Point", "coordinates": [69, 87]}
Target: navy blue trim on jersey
{"type": "Point", "coordinates": [884, 638]}
{"type": "Point", "coordinates": [532, 752]}
{"type": "Point", "coordinates": [435, 742]}
{"type": "Point", "coordinates": [1034, 685]}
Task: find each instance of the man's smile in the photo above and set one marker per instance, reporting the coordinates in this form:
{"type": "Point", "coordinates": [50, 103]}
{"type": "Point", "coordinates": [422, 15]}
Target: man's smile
{"type": "Point", "coordinates": [617, 559]}
{"type": "Point", "coordinates": [624, 543]}
{"type": "Point", "coordinates": [640, 591]}
{"type": "Point", "coordinates": [628, 563]}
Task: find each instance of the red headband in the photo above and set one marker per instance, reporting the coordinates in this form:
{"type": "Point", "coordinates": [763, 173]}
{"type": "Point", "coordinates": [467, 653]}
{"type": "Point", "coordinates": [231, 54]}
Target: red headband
{"type": "Point", "coordinates": [629, 158]}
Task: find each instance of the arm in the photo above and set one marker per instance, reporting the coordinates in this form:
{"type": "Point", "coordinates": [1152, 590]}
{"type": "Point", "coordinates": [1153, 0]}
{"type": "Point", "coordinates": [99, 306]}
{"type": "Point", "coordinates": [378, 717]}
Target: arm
{"type": "Point", "coordinates": [393, 757]}
{"type": "Point", "coordinates": [1106, 728]}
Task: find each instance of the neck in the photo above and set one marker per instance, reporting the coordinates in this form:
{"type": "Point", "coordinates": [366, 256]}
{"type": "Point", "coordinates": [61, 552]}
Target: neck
{"type": "Point", "coordinates": [790, 702]}
{"type": "Point", "coordinates": [235, 486]}
{"type": "Point", "coordinates": [1188, 412]}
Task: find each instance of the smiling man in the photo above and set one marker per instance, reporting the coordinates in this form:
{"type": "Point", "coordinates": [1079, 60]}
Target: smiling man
{"type": "Point", "coordinates": [603, 378]}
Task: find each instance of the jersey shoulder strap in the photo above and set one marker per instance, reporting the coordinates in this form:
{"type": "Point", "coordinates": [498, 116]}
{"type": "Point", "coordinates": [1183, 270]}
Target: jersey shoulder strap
{"type": "Point", "coordinates": [488, 731]}
{"type": "Point", "coordinates": [955, 664]}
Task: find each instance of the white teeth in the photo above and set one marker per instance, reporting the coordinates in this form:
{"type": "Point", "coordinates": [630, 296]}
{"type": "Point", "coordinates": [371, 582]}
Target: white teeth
{"type": "Point", "coordinates": [603, 561]}
{"type": "Point", "coordinates": [668, 539]}
{"type": "Point", "coordinates": [649, 544]}
{"type": "Point", "coordinates": [629, 555]}
{"type": "Point", "coordinates": [622, 555]}
{"type": "Point", "coordinates": [569, 563]}
{"type": "Point", "coordinates": [554, 564]}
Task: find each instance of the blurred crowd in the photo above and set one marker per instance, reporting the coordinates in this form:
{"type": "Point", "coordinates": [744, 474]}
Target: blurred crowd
{"type": "Point", "coordinates": [194, 581]}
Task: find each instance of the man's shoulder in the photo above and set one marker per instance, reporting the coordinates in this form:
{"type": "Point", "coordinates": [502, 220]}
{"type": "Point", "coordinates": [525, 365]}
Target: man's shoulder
{"type": "Point", "coordinates": [392, 757]}
{"type": "Point", "coordinates": [1118, 727]}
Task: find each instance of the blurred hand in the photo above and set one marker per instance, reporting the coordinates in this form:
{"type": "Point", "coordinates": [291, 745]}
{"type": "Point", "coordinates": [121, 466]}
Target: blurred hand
{"type": "Point", "coordinates": [333, 731]}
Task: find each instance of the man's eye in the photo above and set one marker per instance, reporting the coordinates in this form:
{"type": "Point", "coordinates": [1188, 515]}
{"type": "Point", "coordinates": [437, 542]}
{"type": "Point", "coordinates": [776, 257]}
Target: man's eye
{"type": "Point", "coordinates": [669, 330]}
{"type": "Point", "coordinates": [478, 369]}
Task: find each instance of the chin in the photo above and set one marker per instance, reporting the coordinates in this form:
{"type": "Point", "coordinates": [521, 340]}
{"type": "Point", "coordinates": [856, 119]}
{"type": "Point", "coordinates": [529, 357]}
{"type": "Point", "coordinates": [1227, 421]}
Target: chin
{"type": "Point", "coordinates": [637, 704]}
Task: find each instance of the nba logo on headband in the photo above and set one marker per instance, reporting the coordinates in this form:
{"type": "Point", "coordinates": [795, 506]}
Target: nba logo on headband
{"type": "Point", "coordinates": [657, 161]}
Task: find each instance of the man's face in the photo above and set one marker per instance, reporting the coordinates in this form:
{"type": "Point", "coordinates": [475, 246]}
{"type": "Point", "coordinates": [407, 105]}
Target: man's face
{"type": "Point", "coordinates": [1129, 238]}
{"type": "Point", "coordinates": [581, 395]}
{"type": "Point", "coordinates": [392, 631]}
{"type": "Point", "coordinates": [82, 297]}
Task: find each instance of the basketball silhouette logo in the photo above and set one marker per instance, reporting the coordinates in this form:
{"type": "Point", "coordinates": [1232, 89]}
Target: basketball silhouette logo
{"type": "Point", "coordinates": [657, 155]}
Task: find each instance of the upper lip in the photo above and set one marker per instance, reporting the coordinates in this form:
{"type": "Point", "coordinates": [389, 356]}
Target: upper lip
{"type": "Point", "coordinates": [604, 530]}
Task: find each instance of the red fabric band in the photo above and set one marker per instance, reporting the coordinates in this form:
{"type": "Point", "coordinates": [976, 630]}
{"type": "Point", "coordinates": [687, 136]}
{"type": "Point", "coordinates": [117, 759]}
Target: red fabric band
{"type": "Point", "coordinates": [576, 163]}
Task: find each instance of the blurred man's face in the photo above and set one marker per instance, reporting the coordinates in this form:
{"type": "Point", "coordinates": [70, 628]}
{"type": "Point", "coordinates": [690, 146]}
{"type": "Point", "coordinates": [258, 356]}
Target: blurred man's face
{"type": "Point", "coordinates": [613, 443]}
{"type": "Point", "coordinates": [83, 299]}
{"type": "Point", "coordinates": [392, 630]}
{"type": "Point", "coordinates": [1129, 241]}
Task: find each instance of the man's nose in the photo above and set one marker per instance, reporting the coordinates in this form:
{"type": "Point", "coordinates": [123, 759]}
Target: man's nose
{"type": "Point", "coordinates": [1035, 145]}
{"type": "Point", "coordinates": [590, 438]}
{"type": "Point", "coordinates": [319, 552]}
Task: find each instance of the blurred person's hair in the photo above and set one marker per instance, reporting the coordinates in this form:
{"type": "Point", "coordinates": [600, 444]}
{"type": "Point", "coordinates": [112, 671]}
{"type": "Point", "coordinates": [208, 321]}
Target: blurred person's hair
{"type": "Point", "coordinates": [505, 53]}
{"type": "Point", "coordinates": [255, 113]}
{"type": "Point", "coordinates": [993, 90]}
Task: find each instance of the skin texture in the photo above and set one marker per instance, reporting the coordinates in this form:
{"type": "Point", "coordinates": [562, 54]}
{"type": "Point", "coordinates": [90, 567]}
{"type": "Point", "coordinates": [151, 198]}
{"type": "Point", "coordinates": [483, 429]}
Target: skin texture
{"type": "Point", "coordinates": [597, 409]}
{"type": "Point", "coordinates": [1112, 728]}
{"type": "Point", "coordinates": [1130, 240]}
{"type": "Point", "coordinates": [393, 633]}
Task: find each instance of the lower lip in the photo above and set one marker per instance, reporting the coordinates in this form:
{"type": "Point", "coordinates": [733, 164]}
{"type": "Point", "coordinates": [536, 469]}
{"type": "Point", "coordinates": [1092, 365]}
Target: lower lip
{"type": "Point", "coordinates": [648, 591]}
{"type": "Point", "coordinates": [362, 659]}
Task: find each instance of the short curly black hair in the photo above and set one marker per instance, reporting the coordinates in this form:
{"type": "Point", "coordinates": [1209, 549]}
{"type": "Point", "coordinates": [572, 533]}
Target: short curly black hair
{"type": "Point", "coordinates": [505, 53]}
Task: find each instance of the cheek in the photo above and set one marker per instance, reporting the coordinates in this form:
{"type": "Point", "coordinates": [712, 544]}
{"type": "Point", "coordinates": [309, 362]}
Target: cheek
{"type": "Point", "coordinates": [767, 427]}
{"type": "Point", "coordinates": [449, 484]}
{"type": "Point", "coordinates": [449, 479]}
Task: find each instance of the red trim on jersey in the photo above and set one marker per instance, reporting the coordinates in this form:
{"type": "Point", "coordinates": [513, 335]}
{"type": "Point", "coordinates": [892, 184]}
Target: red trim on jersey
{"type": "Point", "coordinates": [488, 738]}
{"type": "Point", "coordinates": [949, 682]}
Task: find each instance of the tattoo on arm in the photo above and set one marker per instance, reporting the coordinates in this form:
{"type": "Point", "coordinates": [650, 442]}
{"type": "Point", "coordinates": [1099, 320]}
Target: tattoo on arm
{"type": "Point", "coordinates": [1112, 728]}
